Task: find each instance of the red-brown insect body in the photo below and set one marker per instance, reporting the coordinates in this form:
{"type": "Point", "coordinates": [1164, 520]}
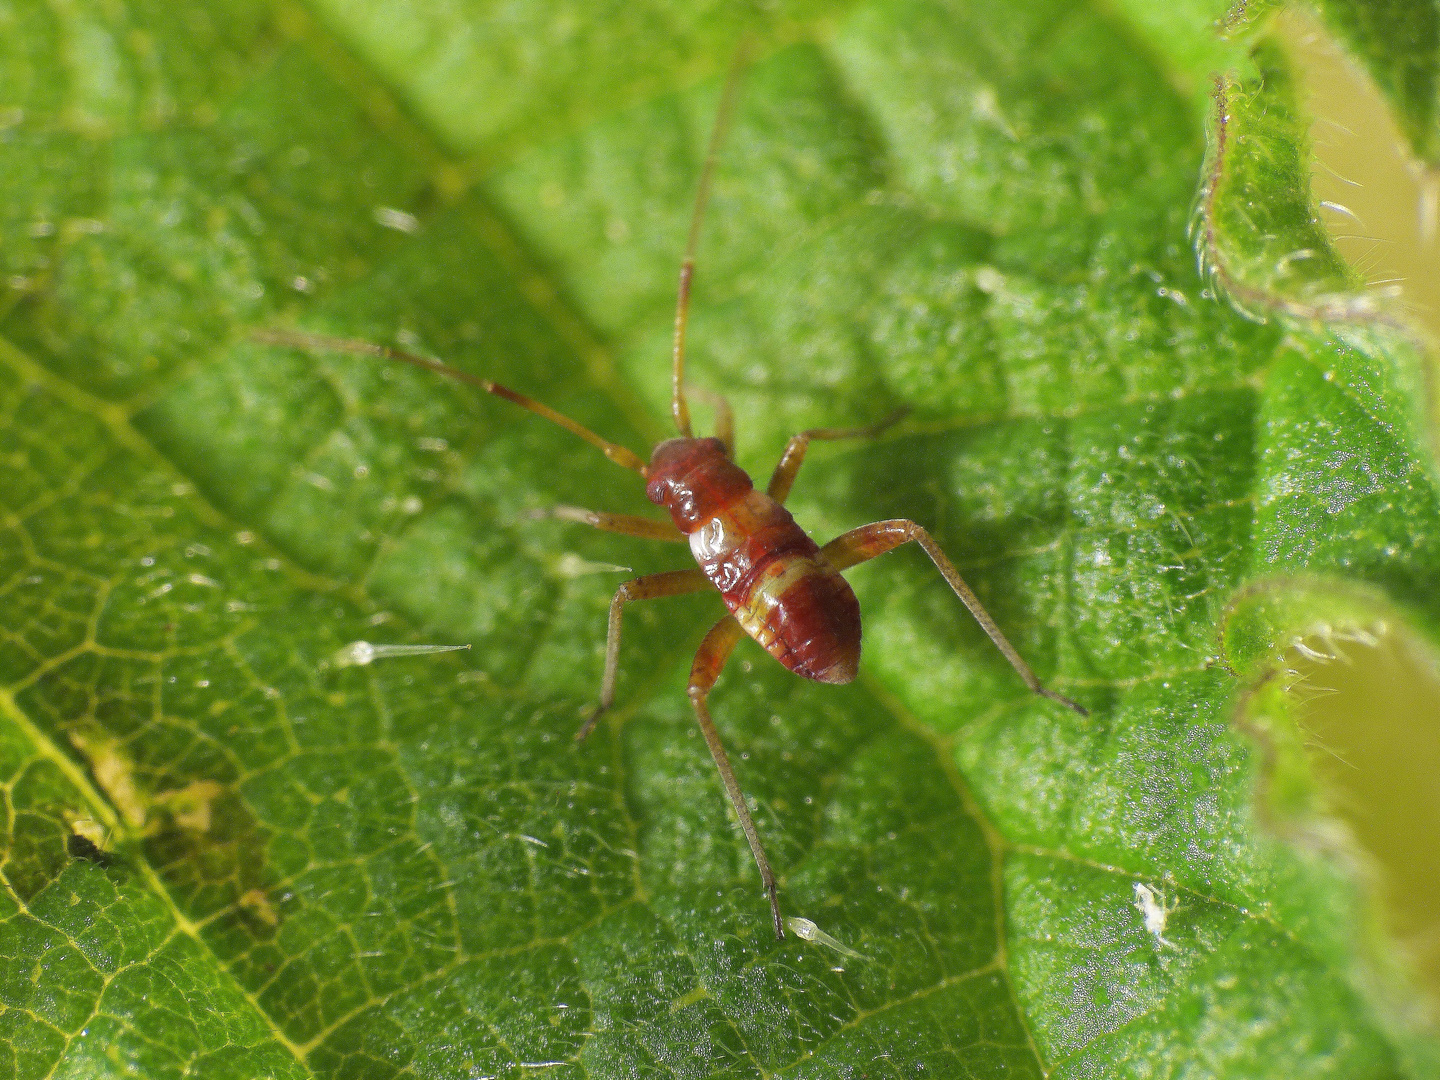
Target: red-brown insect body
{"type": "Point", "coordinates": [771, 575]}
{"type": "Point", "coordinates": [781, 589]}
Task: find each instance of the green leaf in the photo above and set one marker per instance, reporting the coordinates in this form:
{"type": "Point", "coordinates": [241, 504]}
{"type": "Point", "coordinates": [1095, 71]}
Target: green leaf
{"type": "Point", "coordinates": [227, 851]}
{"type": "Point", "coordinates": [1398, 42]}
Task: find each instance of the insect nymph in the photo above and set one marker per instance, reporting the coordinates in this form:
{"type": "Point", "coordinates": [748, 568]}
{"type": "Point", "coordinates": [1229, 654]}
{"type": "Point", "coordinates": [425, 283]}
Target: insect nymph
{"type": "Point", "coordinates": [779, 586]}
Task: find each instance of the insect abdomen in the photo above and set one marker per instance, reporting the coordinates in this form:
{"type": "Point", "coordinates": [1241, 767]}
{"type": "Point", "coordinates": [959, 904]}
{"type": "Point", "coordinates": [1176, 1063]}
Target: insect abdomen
{"type": "Point", "coordinates": [780, 588]}
{"type": "Point", "coordinates": [804, 614]}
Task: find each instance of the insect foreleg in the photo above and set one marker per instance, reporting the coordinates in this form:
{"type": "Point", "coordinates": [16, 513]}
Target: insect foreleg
{"type": "Point", "coordinates": [868, 541]}
{"type": "Point", "coordinates": [650, 587]}
{"type": "Point", "coordinates": [794, 456]}
{"type": "Point", "coordinates": [709, 661]}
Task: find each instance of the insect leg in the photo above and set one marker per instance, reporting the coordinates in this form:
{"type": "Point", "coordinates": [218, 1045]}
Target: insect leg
{"type": "Point", "coordinates": [868, 541]}
{"type": "Point", "coordinates": [794, 455]}
{"type": "Point", "coordinates": [709, 660]}
{"type": "Point", "coordinates": [649, 587]}
{"type": "Point", "coordinates": [625, 524]}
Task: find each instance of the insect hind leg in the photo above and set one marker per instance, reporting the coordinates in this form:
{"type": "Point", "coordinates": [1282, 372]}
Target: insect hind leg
{"type": "Point", "coordinates": [710, 659]}
{"type": "Point", "coordinates": [868, 541]}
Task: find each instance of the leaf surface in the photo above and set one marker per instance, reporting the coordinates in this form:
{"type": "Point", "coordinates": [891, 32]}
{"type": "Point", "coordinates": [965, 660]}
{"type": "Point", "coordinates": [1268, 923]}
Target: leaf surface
{"type": "Point", "coordinates": [1398, 44]}
{"type": "Point", "coordinates": [229, 853]}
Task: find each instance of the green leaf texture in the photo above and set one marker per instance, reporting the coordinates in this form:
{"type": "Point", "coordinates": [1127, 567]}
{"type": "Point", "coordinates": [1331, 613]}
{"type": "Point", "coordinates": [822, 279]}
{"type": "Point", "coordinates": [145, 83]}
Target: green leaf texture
{"type": "Point", "coordinates": [226, 854]}
{"type": "Point", "coordinates": [1398, 43]}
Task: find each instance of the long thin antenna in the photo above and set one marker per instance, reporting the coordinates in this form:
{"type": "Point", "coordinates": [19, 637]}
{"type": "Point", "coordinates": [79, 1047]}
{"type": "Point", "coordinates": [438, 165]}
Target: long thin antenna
{"type": "Point", "coordinates": [728, 97]}
{"type": "Point", "coordinates": [299, 340]}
